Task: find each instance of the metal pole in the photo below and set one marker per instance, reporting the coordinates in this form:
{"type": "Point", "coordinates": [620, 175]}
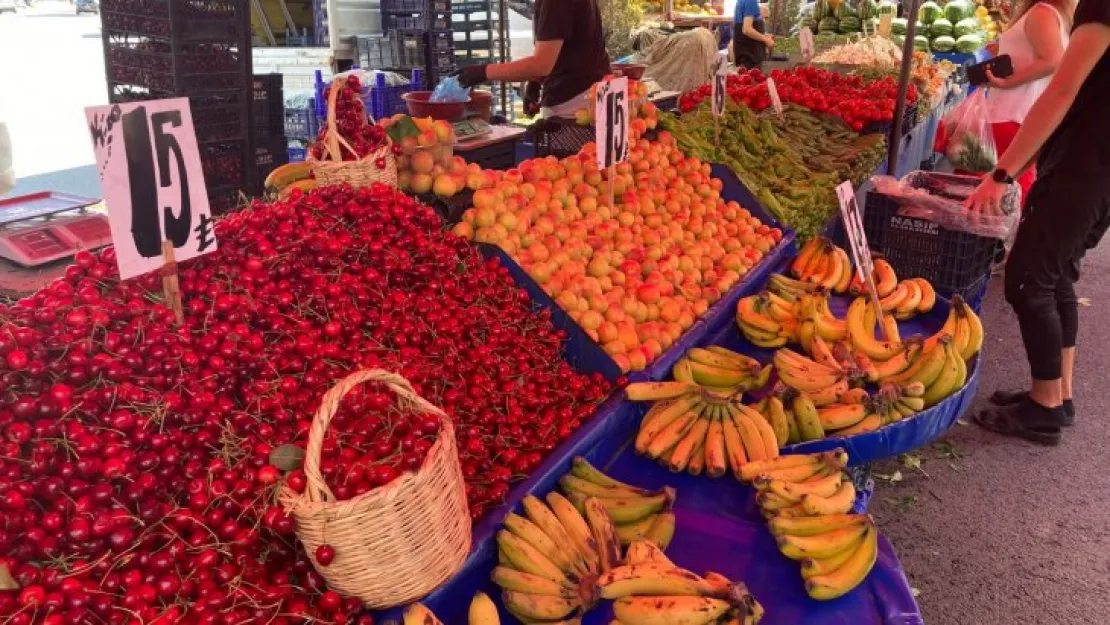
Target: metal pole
{"type": "Point", "coordinates": [503, 31]}
{"type": "Point", "coordinates": [894, 141]}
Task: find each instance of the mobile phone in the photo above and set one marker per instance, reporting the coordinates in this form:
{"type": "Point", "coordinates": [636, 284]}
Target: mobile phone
{"type": "Point", "coordinates": [1000, 66]}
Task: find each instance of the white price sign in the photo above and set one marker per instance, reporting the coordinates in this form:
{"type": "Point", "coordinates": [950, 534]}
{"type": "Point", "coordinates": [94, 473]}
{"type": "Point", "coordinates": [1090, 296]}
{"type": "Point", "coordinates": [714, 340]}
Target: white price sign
{"type": "Point", "coordinates": [720, 90]}
{"type": "Point", "coordinates": [885, 22]}
{"type": "Point", "coordinates": [853, 225]}
{"type": "Point", "coordinates": [611, 118]}
{"type": "Point", "coordinates": [805, 40]}
{"type": "Point", "coordinates": [773, 91]}
{"type": "Point", "coordinates": [150, 171]}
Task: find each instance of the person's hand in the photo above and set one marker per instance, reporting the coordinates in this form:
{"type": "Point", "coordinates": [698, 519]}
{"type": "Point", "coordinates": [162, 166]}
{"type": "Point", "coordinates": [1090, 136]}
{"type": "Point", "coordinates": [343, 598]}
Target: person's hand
{"type": "Point", "coordinates": [472, 76]}
{"type": "Point", "coordinates": [995, 81]}
{"type": "Point", "coordinates": [987, 197]}
{"type": "Point", "coordinates": [770, 41]}
{"type": "Point", "coordinates": [531, 98]}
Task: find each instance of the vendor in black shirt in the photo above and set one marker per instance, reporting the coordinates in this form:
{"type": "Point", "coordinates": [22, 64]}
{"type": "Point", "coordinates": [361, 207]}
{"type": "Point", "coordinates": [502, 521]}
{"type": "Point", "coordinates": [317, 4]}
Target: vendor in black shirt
{"type": "Point", "coordinates": [569, 57]}
{"type": "Point", "coordinates": [1067, 212]}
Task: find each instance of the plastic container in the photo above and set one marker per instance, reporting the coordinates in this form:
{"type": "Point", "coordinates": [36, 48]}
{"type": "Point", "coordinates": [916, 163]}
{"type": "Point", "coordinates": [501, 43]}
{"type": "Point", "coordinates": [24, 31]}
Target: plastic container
{"type": "Point", "coordinates": [419, 106]}
{"type": "Point", "coordinates": [386, 101]}
{"type": "Point", "coordinates": [952, 260]}
{"type": "Point", "coordinates": [269, 154]}
{"type": "Point", "coordinates": [416, 6]}
{"type": "Point", "coordinates": [560, 137]}
{"type": "Point", "coordinates": [302, 123]}
{"type": "Point", "coordinates": [268, 105]}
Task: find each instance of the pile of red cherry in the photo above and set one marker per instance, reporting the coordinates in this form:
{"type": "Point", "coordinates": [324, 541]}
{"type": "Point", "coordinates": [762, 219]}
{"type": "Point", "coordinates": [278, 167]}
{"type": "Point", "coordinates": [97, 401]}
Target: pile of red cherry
{"type": "Point", "coordinates": [362, 137]}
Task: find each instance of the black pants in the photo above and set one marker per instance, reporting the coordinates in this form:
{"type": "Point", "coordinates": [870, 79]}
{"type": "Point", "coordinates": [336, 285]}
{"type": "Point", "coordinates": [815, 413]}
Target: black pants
{"type": "Point", "coordinates": [1063, 219]}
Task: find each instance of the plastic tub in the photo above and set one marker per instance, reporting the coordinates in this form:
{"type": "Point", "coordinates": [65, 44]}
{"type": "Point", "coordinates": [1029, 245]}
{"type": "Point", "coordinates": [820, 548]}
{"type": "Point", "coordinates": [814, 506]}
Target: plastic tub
{"type": "Point", "coordinates": [420, 106]}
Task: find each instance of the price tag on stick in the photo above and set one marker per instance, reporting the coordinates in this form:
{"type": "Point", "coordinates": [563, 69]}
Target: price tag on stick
{"type": "Point", "coordinates": [773, 91]}
{"type": "Point", "coordinates": [885, 22]}
{"type": "Point", "coordinates": [805, 41]}
{"type": "Point", "coordinates": [719, 93]}
{"type": "Point", "coordinates": [150, 170]}
{"type": "Point", "coordinates": [857, 242]}
{"type": "Point", "coordinates": [611, 110]}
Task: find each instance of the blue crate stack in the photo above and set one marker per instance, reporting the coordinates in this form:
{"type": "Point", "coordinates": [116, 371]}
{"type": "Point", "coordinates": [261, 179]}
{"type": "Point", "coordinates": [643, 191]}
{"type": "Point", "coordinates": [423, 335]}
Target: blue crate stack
{"type": "Point", "coordinates": [417, 36]}
{"type": "Point", "coordinates": [155, 49]}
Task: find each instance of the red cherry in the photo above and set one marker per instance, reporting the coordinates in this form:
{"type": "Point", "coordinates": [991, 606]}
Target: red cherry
{"type": "Point", "coordinates": [325, 555]}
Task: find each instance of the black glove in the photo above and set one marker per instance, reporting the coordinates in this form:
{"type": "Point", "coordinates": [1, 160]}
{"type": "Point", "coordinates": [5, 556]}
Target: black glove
{"type": "Point", "coordinates": [472, 75]}
{"type": "Point", "coordinates": [531, 98]}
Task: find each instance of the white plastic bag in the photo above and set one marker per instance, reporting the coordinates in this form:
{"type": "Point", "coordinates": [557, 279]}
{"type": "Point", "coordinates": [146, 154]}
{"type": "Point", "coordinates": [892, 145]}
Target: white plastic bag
{"type": "Point", "coordinates": [966, 136]}
{"type": "Point", "coordinates": [940, 198]}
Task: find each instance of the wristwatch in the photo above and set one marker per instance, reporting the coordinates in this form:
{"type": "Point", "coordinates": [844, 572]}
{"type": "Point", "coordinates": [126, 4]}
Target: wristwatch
{"type": "Point", "coordinates": [1001, 176]}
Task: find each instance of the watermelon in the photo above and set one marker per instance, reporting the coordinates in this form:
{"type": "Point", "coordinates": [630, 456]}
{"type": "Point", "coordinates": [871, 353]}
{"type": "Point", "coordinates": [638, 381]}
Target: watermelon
{"type": "Point", "coordinates": [940, 28]}
{"type": "Point", "coordinates": [959, 9]}
{"type": "Point", "coordinates": [922, 28]}
{"type": "Point", "coordinates": [828, 25]}
{"type": "Point", "coordinates": [900, 40]}
{"type": "Point", "coordinates": [967, 26]}
{"type": "Point", "coordinates": [930, 12]}
{"type": "Point", "coordinates": [820, 10]}
{"type": "Point", "coordinates": [868, 9]}
{"type": "Point", "coordinates": [846, 10]}
{"type": "Point", "coordinates": [898, 26]}
{"type": "Point", "coordinates": [943, 44]}
{"type": "Point", "coordinates": [968, 44]}
{"type": "Point", "coordinates": [886, 7]}
{"type": "Point", "coordinates": [921, 42]}
{"type": "Point", "coordinates": [849, 25]}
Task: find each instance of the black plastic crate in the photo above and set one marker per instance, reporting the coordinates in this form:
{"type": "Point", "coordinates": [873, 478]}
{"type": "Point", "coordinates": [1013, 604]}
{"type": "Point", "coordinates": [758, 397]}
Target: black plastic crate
{"type": "Point", "coordinates": [224, 163]}
{"type": "Point", "coordinates": [560, 137]}
{"type": "Point", "coordinates": [416, 6]}
{"type": "Point", "coordinates": [268, 105]}
{"type": "Point", "coordinates": [423, 22]}
{"type": "Point", "coordinates": [440, 42]}
{"type": "Point", "coordinates": [500, 155]}
{"type": "Point", "coordinates": [269, 154]}
{"type": "Point", "coordinates": [952, 260]}
{"type": "Point", "coordinates": [376, 52]}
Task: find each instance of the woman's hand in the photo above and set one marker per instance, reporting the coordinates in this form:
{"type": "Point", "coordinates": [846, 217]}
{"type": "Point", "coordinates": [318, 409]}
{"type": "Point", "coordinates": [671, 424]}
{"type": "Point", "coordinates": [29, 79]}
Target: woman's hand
{"type": "Point", "coordinates": [1001, 83]}
{"type": "Point", "coordinates": [987, 197]}
{"type": "Point", "coordinates": [770, 41]}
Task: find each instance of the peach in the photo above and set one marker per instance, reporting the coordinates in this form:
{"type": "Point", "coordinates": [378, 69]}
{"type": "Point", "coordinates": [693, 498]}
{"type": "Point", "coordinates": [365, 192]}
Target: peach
{"type": "Point", "coordinates": [445, 186]}
{"type": "Point", "coordinates": [422, 183]}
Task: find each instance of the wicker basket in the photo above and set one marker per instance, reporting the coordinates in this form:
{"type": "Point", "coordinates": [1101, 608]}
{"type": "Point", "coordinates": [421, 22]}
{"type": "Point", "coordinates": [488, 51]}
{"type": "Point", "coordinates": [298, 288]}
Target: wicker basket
{"type": "Point", "coordinates": [332, 169]}
{"type": "Point", "coordinates": [395, 543]}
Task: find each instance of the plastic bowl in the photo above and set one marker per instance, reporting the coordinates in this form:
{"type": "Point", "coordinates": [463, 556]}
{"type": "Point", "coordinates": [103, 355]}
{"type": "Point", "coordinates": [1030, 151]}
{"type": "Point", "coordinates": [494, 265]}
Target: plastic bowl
{"type": "Point", "coordinates": [633, 71]}
{"type": "Point", "coordinates": [419, 106]}
{"type": "Point", "coordinates": [481, 104]}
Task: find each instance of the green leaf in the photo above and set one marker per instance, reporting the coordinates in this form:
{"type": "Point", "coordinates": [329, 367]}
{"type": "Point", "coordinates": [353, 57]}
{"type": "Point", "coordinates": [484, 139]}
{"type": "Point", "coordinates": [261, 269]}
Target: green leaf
{"type": "Point", "coordinates": [910, 461]}
{"type": "Point", "coordinates": [403, 127]}
{"type": "Point", "coordinates": [287, 457]}
{"type": "Point", "coordinates": [7, 582]}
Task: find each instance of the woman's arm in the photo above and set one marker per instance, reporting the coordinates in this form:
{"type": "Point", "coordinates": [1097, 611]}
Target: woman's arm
{"type": "Point", "coordinates": [749, 30]}
{"type": "Point", "coordinates": [1088, 43]}
{"type": "Point", "coordinates": [1042, 29]}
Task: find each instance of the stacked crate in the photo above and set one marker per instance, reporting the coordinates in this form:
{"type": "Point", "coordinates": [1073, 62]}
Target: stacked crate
{"type": "Point", "coordinates": [268, 114]}
{"type": "Point", "coordinates": [477, 33]}
{"type": "Point", "coordinates": [200, 49]}
{"type": "Point", "coordinates": [417, 35]}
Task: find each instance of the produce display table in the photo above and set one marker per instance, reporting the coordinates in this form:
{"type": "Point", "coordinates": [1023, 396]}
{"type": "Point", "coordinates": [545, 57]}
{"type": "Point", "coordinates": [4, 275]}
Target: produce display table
{"type": "Point", "coordinates": [496, 150]}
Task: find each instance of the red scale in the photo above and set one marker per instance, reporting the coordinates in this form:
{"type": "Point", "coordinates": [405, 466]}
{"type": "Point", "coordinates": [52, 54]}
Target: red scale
{"type": "Point", "coordinates": [43, 227]}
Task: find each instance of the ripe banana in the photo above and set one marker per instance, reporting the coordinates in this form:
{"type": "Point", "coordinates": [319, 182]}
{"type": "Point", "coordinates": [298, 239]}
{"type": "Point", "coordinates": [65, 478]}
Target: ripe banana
{"type": "Point", "coordinates": [754, 447]}
{"type": "Point", "coordinates": [681, 371]}
{"type": "Point", "coordinates": [829, 394]}
{"type": "Point", "coordinates": [839, 503]}
{"type": "Point", "coordinates": [846, 277]}
{"type": "Point", "coordinates": [576, 529]}
{"type": "Point", "coordinates": [804, 374]}
{"type": "Point", "coordinates": [828, 326]}
{"type": "Point", "coordinates": [742, 361]}
{"type": "Point", "coordinates": [850, 574]}
{"type": "Point", "coordinates": [908, 307]}
{"type": "Point", "coordinates": [624, 511]}
{"type": "Point", "coordinates": [809, 422]}
{"type": "Point", "coordinates": [417, 614]}
{"type": "Point", "coordinates": [896, 298]}
{"type": "Point", "coordinates": [581, 468]}
{"type": "Point", "coordinates": [870, 423]}
{"type": "Point", "coordinates": [748, 315]}
{"type": "Point", "coordinates": [945, 383]}
{"type": "Point", "coordinates": [590, 489]}
{"type": "Point", "coordinates": [709, 375]}
{"type": "Point", "coordinates": [855, 396]}
{"type": "Point", "coordinates": [807, 330]}
{"type": "Point", "coordinates": [840, 416]}
{"type": "Point", "coordinates": [655, 579]}
{"type": "Point", "coordinates": [799, 473]}
{"type": "Point", "coordinates": [669, 610]}
{"type": "Point", "coordinates": [766, 432]}
{"type": "Point", "coordinates": [805, 255]}
{"type": "Point", "coordinates": [634, 531]}
{"type": "Point", "coordinates": [862, 334]}
{"type": "Point", "coordinates": [534, 536]}
{"type": "Point", "coordinates": [646, 552]}
{"type": "Point", "coordinates": [716, 458]}
{"type": "Point", "coordinates": [794, 491]}
{"type": "Point", "coordinates": [655, 423]}
{"type": "Point", "coordinates": [928, 295]}
{"type": "Point", "coordinates": [812, 567]}
{"type": "Point", "coordinates": [898, 363]}
{"type": "Point", "coordinates": [780, 423]}
{"type": "Point", "coordinates": [822, 545]}
{"type": "Point", "coordinates": [287, 174]}
{"type": "Point", "coordinates": [537, 607]}
{"type": "Point", "coordinates": [925, 369]}
{"type": "Point", "coordinates": [512, 579]}
{"type": "Point", "coordinates": [525, 557]}
{"type": "Point", "coordinates": [482, 611]}
{"type": "Point", "coordinates": [300, 185]}
{"type": "Point", "coordinates": [654, 391]}
{"type": "Point", "coordinates": [754, 469]}
{"type": "Point", "coordinates": [696, 465]}
{"type": "Point", "coordinates": [545, 519]}
{"type": "Point", "coordinates": [885, 279]}
{"type": "Point", "coordinates": [680, 456]}
{"type": "Point", "coordinates": [662, 529]}
{"type": "Point", "coordinates": [605, 535]}
{"type": "Point", "coordinates": [734, 446]}
{"type": "Point", "coordinates": [974, 328]}
{"type": "Point", "coordinates": [812, 526]}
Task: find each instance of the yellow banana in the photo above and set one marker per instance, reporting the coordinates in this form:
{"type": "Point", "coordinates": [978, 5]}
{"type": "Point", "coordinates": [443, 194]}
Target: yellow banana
{"type": "Point", "coordinates": [570, 482]}
{"type": "Point", "coordinates": [780, 423]}
{"type": "Point", "coordinates": [696, 465]}
{"type": "Point", "coordinates": [417, 614]}
{"type": "Point", "coordinates": [654, 391]}
{"type": "Point", "coordinates": [525, 557]}
{"type": "Point", "coordinates": [799, 473]}
{"type": "Point", "coordinates": [657, 580]}
{"type": "Point", "coordinates": [823, 545]}
{"type": "Point", "coordinates": [716, 458]}
{"type": "Point", "coordinates": [684, 450]}
{"type": "Point", "coordinates": [829, 327]}
{"type": "Point", "coordinates": [975, 330]}
{"type": "Point", "coordinates": [812, 567]}
{"type": "Point", "coordinates": [945, 383]}
{"type": "Point", "coordinates": [840, 416]}
{"type": "Point", "coordinates": [812, 526]}
{"type": "Point", "coordinates": [949, 330]}
{"type": "Point", "coordinates": [890, 328]}
{"type": "Point", "coordinates": [734, 446]}
{"type": "Point", "coordinates": [646, 552]}
{"type": "Point", "coordinates": [962, 338]}
{"type": "Point", "coordinates": [928, 295]}
{"type": "Point", "coordinates": [855, 396]}
{"type": "Point", "coordinates": [533, 535]}
{"type": "Point", "coordinates": [896, 298]}
{"type": "Point", "coordinates": [763, 340]}
{"type": "Point", "coordinates": [708, 375]}
{"type": "Point", "coordinates": [766, 432]}
{"type": "Point", "coordinates": [574, 526]}
{"type": "Point", "coordinates": [662, 529]}
{"type": "Point", "coordinates": [870, 423]}
{"type": "Point", "coordinates": [285, 175]}
{"type": "Point", "coordinates": [582, 469]}
{"type": "Point", "coordinates": [601, 526]}
{"type": "Point", "coordinates": [300, 185]}
{"type": "Point", "coordinates": [716, 359]}
{"type": "Point", "coordinates": [482, 611]}
{"type": "Point", "coordinates": [548, 522]}
{"type": "Point", "coordinates": [925, 369]}
{"type": "Point", "coordinates": [834, 274]}
{"type": "Point", "coordinates": [669, 437]}
{"type": "Point", "coordinates": [915, 404]}
{"type": "Point", "coordinates": [798, 265]}
{"type": "Point", "coordinates": [885, 279]}
{"type": "Point", "coordinates": [681, 371]}
{"type": "Point", "coordinates": [829, 394]}
{"type": "Point", "coordinates": [850, 574]}
{"type": "Point", "coordinates": [846, 277]}
{"type": "Point", "coordinates": [898, 363]}
{"type": "Point", "coordinates": [840, 502]}
{"type": "Point", "coordinates": [654, 424]}
{"type": "Point", "coordinates": [742, 361]}
{"type": "Point", "coordinates": [537, 607]}
{"type": "Point", "coordinates": [863, 336]}
{"type": "Point", "coordinates": [747, 314]}
{"type": "Point", "coordinates": [804, 374]}
{"type": "Point", "coordinates": [908, 307]}
{"type": "Point", "coordinates": [669, 610]}
{"type": "Point", "coordinates": [512, 579]}
{"type": "Point", "coordinates": [809, 422]}
{"type": "Point", "coordinates": [961, 377]}
{"type": "Point", "coordinates": [754, 469]}
{"type": "Point", "coordinates": [807, 329]}
{"type": "Point", "coordinates": [749, 434]}
{"type": "Point", "coordinates": [823, 355]}
{"type": "Point", "coordinates": [794, 491]}
{"type": "Point", "coordinates": [624, 511]}
{"type": "Point", "coordinates": [634, 531]}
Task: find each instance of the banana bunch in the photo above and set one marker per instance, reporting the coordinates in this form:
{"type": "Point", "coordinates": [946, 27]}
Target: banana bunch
{"type": "Point", "coordinates": [937, 367]}
{"type": "Point", "coordinates": [861, 323]}
{"type": "Point", "coordinates": [767, 320]}
{"type": "Point", "coordinates": [895, 402]}
{"type": "Point", "coordinates": [823, 263]}
{"type": "Point", "coordinates": [964, 327]}
{"type": "Point", "coordinates": [883, 275]}
{"type": "Point", "coordinates": [721, 370]}
{"type": "Point", "coordinates": [549, 558]}
{"type": "Point", "coordinates": [637, 514]}
{"type": "Point", "coordinates": [904, 299]}
{"type": "Point", "coordinates": [821, 383]}
{"type": "Point", "coordinates": [283, 179]}
{"type": "Point", "coordinates": [651, 590]}
{"type": "Point", "coordinates": [699, 431]}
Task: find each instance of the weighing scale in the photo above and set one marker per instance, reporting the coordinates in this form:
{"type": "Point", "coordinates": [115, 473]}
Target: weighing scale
{"type": "Point", "coordinates": [43, 227]}
{"type": "Point", "coordinates": [470, 129]}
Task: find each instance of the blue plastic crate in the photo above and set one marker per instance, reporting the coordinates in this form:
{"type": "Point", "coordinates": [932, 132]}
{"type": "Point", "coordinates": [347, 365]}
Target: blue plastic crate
{"type": "Point", "coordinates": [302, 123]}
{"type": "Point", "coordinates": [296, 155]}
{"type": "Point", "coordinates": [385, 101]}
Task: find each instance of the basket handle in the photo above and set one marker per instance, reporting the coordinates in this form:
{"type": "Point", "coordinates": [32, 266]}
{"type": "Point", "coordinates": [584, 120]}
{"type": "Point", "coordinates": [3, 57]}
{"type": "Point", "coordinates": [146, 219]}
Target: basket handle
{"type": "Point", "coordinates": [334, 138]}
{"type": "Point", "coordinates": [316, 488]}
